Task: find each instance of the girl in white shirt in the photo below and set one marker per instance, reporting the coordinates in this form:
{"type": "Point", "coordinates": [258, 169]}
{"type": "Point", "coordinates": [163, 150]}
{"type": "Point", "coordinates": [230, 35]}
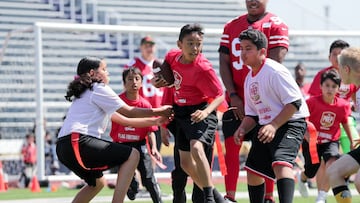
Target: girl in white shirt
{"type": "Point", "coordinates": [80, 147]}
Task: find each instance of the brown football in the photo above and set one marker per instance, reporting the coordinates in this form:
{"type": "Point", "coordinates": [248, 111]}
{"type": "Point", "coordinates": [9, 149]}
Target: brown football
{"type": "Point", "coordinates": [163, 70]}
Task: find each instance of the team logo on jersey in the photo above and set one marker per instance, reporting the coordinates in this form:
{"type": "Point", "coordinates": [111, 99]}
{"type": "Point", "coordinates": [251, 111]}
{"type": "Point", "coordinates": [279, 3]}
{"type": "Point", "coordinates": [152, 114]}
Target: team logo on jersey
{"type": "Point", "coordinates": [344, 90]}
{"type": "Point", "coordinates": [254, 92]}
{"type": "Point", "coordinates": [327, 119]}
{"type": "Point", "coordinates": [178, 80]}
{"type": "Point", "coordinates": [276, 20]}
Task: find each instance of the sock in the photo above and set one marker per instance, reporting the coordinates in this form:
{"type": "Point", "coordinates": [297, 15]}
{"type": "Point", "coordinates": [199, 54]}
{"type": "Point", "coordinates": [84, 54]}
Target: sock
{"type": "Point", "coordinates": [208, 194]}
{"type": "Point", "coordinates": [342, 194]}
{"type": "Point", "coordinates": [269, 189]}
{"type": "Point", "coordinates": [322, 195]}
{"type": "Point", "coordinates": [233, 164]}
{"type": "Point", "coordinates": [286, 188]}
{"type": "Point", "coordinates": [256, 193]}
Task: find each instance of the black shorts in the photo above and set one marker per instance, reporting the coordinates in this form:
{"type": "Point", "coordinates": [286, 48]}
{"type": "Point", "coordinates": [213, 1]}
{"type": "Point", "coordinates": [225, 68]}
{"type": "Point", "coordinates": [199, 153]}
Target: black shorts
{"type": "Point", "coordinates": [203, 131]}
{"type": "Point", "coordinates": [145, 163]}
{"type": "Point", "coordinates": [230, 124]}
{"type": "Point", "coordinates": [94, 153]}
{"type": "Point", "coordinates": [355, 154]}
{"type": "Point", "coordinates": [326, 151]}
{"type": "Point", "coordinates": [283, 149]}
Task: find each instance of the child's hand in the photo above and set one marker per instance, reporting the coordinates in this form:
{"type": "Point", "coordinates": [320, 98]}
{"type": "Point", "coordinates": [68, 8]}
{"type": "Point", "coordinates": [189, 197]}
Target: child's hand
{"type": "Point", "coordinates": [165, 136]}
{"type": "Point", "coordinates": [166, 111]}
{"type": "Point", "coordinates": [156, 154]}
{"type": "Point", "coordinates": [161, 120]}
{"type": "Point", "coordinates": [356, 143]}
{"type": "Point", "coordinates": [199, 115]}
{"type": "Point", "coordinates": [266, 133]}
{"type": "Point", "coordinates": [159, 81]}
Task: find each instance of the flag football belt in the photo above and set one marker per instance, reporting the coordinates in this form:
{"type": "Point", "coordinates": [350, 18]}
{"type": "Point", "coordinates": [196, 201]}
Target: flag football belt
{"type": "Point", "coordinates": [75, 145]}
{"type": "Point", "coordinates": [313, 142]}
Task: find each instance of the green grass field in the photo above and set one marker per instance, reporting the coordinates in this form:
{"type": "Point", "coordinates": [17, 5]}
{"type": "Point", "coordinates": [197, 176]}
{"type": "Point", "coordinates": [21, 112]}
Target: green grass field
{"type": "Point", "coordinates": [26, 194]}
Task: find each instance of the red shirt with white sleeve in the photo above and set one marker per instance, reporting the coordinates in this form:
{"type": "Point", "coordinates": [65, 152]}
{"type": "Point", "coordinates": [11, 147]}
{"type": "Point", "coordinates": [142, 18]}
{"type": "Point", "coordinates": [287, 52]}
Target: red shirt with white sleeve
{"type": "Point", "coordinates": [272, 26]}
{"type": "Point", "coordinates": [123, 134]}
{"type": "Point", "coordinates": [148, 91]}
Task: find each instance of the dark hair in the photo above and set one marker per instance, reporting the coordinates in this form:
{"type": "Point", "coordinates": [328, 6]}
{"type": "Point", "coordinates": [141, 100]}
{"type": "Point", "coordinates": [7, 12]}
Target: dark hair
{"type": "Point", "coordinates": [133, 70]}
{"type": "Point", "coordinates": [255, 36]}
{"type": "Point", "coordinates": [83, 81]}
{"type": "Point", "coordinates": [29, 135]}
{"type": "Point", "coordinates": [339, 44]}
{"type": "Point", "coordinates": [299, 65]}
{"type": "Point", "coordinates": [332, 75]}
{"type": "Point", "coordinates": [190, 28]}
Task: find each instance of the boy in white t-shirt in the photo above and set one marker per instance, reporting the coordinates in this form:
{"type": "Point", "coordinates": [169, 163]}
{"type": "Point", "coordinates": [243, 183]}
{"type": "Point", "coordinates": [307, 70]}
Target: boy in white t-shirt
{"type": "Point", "coordinates": [275, 108]}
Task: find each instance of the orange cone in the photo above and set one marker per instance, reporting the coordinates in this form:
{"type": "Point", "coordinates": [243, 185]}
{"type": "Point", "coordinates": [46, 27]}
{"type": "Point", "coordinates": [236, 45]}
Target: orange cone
{"type": "Point", "coordinates": [35, 185]}
{"type": "Point", "coordinates": [2, 179]}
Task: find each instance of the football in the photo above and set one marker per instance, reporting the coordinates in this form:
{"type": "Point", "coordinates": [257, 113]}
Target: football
{"type": "Point", "coordinates": [163, 71]}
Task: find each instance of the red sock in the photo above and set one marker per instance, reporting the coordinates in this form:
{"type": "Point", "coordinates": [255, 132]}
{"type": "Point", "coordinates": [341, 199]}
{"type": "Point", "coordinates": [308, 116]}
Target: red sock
{"type": "Point", "coordinates": [269, 188]}
{"type": "Point", "coordinates": [232, 162]}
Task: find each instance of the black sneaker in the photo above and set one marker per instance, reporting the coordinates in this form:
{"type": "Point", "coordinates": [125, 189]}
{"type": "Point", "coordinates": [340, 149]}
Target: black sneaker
{"type": "Point", "coordinates": [133, 189]}
{"type": "Point", "coordinates": [229, 200]}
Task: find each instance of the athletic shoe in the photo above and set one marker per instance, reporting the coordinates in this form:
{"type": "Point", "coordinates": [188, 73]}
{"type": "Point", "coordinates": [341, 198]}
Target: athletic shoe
{"type": "Point", "coordinates": [269, 201]}
{"type": "Point", "coordinates": [229, 199]}
{"type": "Point", "coordinates": [302, 186]}
{"type": "Point", "coordinates": [321, 198]}
{"type": "Point", "coordinates": [133, 189]}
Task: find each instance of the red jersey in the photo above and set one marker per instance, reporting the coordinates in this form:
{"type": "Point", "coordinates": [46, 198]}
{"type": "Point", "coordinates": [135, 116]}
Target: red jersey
{"type": "Point", "coordinates": [305, 90]}
{"type": "Point", "coordinates": [345, 90]}
{"type": "Point", "coordinates": [327, 117]}
{"type": "Point", "coordinates": [168, 96]}
{"type": "Point", "coordinates": [194, 83]}
{"type": "Point", "coordinates": [148, 91]}
{"type": "Point", "coordinates": [28, 152]}
{"type": "Point", "coordinates": [272, 26]}
{"type": "Point", "coordinates": [121, 133]}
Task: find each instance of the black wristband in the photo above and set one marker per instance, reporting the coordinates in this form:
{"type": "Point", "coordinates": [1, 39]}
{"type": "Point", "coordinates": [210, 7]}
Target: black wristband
{"type": "Point", "coordinates": [232, 94]}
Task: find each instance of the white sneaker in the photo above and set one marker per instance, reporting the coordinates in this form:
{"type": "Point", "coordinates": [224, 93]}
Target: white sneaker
{"type": "Point", "coordinates": [302, 186]}
{"type": "Point", "coordinates": [321, 198]}
{"type": "Point", "coordinates": [320, 201]}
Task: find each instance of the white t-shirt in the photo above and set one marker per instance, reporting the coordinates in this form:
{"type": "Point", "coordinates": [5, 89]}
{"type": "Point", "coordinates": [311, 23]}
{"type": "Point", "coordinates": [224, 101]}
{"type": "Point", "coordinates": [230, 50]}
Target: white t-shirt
{"type": "Point", "coordinates": [267, 92]}
{"type": "Point", "coordinates": [91, 113]}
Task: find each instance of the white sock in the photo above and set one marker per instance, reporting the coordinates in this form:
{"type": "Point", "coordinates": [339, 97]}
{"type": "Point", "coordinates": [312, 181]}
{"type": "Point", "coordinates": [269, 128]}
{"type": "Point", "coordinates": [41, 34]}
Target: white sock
{"type": "Point", "coordinates": [322, 195]}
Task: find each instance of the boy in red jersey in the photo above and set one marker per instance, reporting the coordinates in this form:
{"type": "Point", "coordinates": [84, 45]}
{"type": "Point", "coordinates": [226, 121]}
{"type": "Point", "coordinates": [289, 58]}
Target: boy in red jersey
{"type": "Point", "coordinates": [349, 69]}
{"type": "Point", "coordinates": [195, 83]}
{"type": "Point", "coordinates": [145, 62]}
{"type": "Point", "coordinates": [346, 91]}
{"type": "Point", "coordinates": [326, 113]}
{"type": "Point", "coordinates": [178, 175]}
{"type": "Point", "coordinates": [136, 137]}
{"type": "Point", "coordinates": [233, 73]}
{"type": "Point", "coordinates": [276, 110]}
